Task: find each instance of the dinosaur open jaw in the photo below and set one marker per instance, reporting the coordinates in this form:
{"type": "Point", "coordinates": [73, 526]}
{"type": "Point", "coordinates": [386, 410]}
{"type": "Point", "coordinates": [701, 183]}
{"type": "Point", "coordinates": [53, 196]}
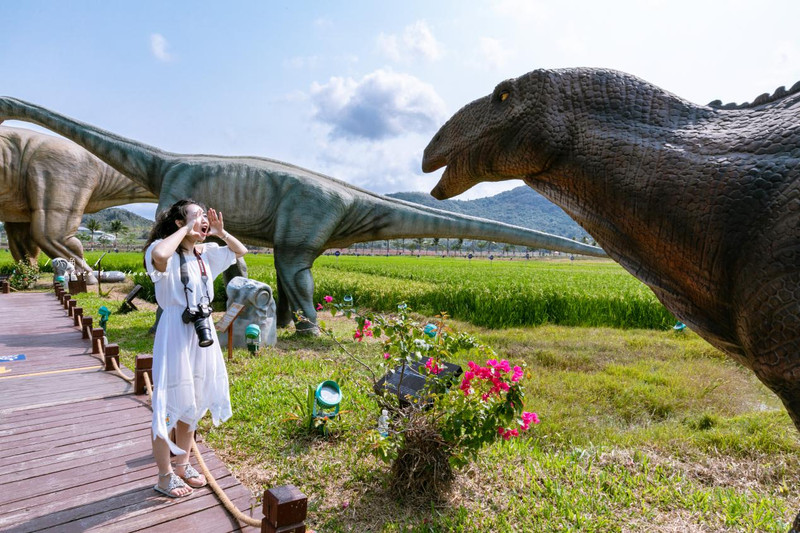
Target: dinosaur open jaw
{"type": "Point", "coordinates": [449, 187]}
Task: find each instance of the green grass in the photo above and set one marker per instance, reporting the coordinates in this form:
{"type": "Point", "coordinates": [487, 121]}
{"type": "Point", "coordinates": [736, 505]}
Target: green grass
{"type": "Point", "coordinates": [642, 430]}
{"type": "Point", "coordinates": [498, 294]}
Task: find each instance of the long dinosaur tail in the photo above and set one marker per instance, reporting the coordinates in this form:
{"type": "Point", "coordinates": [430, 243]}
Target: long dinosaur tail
{"type": "Point", "coordinates": [400, 219]}
{"type": "Point", "coordinates": [137, 161]}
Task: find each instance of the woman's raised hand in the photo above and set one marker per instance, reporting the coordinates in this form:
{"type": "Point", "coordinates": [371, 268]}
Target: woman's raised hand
{"type": "Point", "coordinates": [215, 224]}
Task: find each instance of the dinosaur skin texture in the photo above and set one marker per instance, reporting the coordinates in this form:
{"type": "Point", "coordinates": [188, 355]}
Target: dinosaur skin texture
{"type": "Point", "coordinates": [46, 185]}
{"type": "Point", "coordinates": [701, 203]}
{"type": "Point", "coordinates": [297, 212]}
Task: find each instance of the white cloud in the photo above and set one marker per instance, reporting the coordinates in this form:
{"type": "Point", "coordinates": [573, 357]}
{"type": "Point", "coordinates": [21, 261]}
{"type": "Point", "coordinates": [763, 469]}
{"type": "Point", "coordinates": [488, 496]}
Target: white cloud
{"type": "Point", "coordinates": [392, 165]}
{"type": "Point", "coordinates": [158, 45]}
{"type": "Point", "coordinates": [495, 55]}
{"type": "Point", "coordinates": [416, 42]}
{"type": "Point", "coordinates": [420, 40]}
{"type": "Point", "coordinates": [383, 104]}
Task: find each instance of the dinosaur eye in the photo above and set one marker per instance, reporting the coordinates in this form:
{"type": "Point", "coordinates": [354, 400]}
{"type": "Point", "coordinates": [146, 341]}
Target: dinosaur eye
{"type": "Point", "coordinates": [504, 95]}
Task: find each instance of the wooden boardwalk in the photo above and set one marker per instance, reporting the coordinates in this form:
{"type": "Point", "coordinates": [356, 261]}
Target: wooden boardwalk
{"type": "Point", "coordinates": [75, 442]}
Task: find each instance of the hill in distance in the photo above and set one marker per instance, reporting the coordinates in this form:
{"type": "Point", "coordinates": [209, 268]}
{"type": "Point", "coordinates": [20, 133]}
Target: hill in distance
{"type": "Point", "coordinates": [133, 222]}
{"type": "Point", "coordinates": [521, 206]}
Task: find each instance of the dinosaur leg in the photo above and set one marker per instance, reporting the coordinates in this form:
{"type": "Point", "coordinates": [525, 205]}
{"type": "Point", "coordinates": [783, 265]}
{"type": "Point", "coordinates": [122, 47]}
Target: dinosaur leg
{"type": "Point", "coordinates": [284, 313]}
{"type": "Point", "coordinates": [20, 242]}
{"type": "Point", "coordinates": [54, 232]}
{"type": "Point", "coordinates": [294, 275]}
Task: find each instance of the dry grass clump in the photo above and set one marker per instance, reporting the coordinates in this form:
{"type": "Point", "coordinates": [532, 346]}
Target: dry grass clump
{"type": "Point", "coordinates": [422, 469]}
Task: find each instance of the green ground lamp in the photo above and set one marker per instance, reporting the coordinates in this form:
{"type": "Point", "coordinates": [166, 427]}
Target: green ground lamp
{"type": "Point", "coordinates": [104, 313]}
{"type": "Point", "coordinates": [326, 400]}
{"type": "Point", "coordinates": [253, 335]}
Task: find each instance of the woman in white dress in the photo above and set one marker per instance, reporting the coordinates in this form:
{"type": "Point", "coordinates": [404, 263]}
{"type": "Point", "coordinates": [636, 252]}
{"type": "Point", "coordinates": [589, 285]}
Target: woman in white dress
{"type": "Point", "coordinates": [189, 374]}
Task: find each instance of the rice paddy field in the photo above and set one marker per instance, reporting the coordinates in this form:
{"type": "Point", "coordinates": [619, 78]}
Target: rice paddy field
{"type": "Point", "coordinates": [643, 428]}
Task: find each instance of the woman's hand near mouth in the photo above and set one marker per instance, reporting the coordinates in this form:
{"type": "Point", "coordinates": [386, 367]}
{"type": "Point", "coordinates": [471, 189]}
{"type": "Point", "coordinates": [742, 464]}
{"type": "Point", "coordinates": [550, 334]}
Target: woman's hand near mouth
{"type": "Point", "coordinates": [215, 225]}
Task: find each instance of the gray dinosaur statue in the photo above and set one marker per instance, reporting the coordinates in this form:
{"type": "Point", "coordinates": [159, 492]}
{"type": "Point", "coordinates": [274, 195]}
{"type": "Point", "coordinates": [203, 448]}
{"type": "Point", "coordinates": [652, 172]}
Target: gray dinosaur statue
{"type": "Point", "coordinates": [297, 212]}
{"type": "Point", "coordinates": [46, 185]}
{"type": "Point", "coordinates": [701, 203]}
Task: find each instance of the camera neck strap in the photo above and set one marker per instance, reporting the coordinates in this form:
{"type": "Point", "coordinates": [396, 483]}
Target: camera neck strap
{"type": "Point", "coordinates": [185, 274]}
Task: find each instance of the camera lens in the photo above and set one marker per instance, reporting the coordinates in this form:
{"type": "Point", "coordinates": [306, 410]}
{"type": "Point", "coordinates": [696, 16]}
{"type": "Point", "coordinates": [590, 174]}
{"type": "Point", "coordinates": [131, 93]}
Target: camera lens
{"type": "Point", "coordinates": [203, 330]}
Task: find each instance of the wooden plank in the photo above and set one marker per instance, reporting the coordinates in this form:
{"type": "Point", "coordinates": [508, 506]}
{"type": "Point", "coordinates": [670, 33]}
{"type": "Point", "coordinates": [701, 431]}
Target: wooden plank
{"type": "Point", "coordinates": [68, 414]}
{"type": "Point", "coordinates": [37, 415]}
{"type": "Point", "coordinates": [60, 432]}
{"type": "Point", "coordinates": [124, 495]}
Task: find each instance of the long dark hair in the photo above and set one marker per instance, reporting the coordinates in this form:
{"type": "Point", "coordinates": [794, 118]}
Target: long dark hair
{"type": "Point", "coordinates": [167, 221]}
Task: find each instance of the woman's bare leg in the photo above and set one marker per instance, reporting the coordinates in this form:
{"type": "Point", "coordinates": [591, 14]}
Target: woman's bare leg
{"type": "Point", "coordinates": [184, 437]}
{"type": "Point", "coordinates": [161, 454]}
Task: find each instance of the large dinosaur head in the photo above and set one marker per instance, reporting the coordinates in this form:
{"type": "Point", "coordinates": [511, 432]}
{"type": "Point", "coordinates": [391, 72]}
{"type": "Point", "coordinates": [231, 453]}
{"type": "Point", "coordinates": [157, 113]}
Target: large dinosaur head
{"type": "Point", "coordinates": [507, 135]}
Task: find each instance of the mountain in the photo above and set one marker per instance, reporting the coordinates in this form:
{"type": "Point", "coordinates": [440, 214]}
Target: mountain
{"type": "Point", "coordinates": [521, 206]}
{"type": "Point", "coordinates": [132, 222]}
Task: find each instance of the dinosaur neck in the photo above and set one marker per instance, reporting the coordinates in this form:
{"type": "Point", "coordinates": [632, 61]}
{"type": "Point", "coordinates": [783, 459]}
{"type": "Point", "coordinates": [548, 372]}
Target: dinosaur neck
{"type": "Point", "coordinates": [115, 189]}
{"type": "Point", "coordinates": [137, 161]}
{"type": "Point", "coordinates": [643, 214]}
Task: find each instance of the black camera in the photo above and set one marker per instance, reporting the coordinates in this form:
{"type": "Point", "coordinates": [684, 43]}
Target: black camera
{"type": "Point", "coordinates": [202, 325]}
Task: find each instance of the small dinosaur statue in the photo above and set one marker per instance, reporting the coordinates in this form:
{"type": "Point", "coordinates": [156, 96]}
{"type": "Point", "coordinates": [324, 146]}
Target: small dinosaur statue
{"type": "Point", "coordinates": [701, 203]}
{"type": "Point", "coordinates": [46, 185]}
{"type": "Point", "coordinates": [297, 212]}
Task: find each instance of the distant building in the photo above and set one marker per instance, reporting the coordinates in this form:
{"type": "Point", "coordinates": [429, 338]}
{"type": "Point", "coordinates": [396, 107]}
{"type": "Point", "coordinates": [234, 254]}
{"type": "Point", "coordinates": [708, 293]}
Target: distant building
{"type": "Point", "coordinates": [98, 235]}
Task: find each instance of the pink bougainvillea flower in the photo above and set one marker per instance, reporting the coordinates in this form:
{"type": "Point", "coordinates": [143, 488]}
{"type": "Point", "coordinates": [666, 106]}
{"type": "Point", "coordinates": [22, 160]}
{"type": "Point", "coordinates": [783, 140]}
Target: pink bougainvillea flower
{"type": "Point", "coordinates": [386, 355]}
{"type": "Point", "coordinates": [433, 367]}
{"type": "Point", "coordinates": [328, 299]}
{"type": "Point", "coordinates": [319, 307]}
{"type": "Point", "coordinates": [528, 419]}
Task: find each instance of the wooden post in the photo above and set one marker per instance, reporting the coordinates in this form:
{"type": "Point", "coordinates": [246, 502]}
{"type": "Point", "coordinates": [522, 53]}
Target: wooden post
{"type": "Point", "coordinates": [285, 509]}
{"type": "Point", "coordinates": [230, 341]}
{"type": "Point", "coordinates": [87, 327]}
{"type": "Point", "coordinates": [78, 285]}
{"type": "Point", "coordinates": [226, 323]}
{"type": "Point", "coordinates": [65, 298]}
{"type": "Point", "coordinates": [111, 352]}
{"type": "Point", "coordinates": [77, 314]}
{"type": "Point", "coordinates": [144, 365]}
{"type": "Point", "coordinates": [71, 306]}
{"type": "Point", "coordinates": [98, 340]}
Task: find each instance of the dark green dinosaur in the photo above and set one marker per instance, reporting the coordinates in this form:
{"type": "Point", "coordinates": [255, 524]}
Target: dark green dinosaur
{"type": "Point", "coordinates": [297, 212]}
{"type": "Point", "coordinates": [702, 203]}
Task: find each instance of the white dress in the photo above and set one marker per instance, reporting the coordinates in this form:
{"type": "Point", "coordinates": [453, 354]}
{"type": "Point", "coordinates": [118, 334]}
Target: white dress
{"type": "Point", "coordinates": [188, 380]}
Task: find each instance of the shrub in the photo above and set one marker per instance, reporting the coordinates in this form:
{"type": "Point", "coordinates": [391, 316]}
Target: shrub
{"type": "Point", "coordinates": [446, 423]}
{"type": "Point", "coordinates": [24, 276]}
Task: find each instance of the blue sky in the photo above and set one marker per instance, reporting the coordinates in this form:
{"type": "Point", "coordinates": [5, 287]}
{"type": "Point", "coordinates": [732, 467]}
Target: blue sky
{"type": "Point", "coordinates": [355, 89]}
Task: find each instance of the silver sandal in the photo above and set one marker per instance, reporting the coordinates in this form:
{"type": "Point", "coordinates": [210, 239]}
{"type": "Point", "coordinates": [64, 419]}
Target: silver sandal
{"type": "Point", "coordinates": [175, 482]}
{"type": "Point", "coordinates": [189, 472]}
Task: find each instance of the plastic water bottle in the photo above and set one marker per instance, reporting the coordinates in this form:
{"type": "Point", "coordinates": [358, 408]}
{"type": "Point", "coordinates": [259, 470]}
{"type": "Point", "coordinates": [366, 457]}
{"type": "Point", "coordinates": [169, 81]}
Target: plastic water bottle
{"type": "Point", "coordinates": [383, 423]}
